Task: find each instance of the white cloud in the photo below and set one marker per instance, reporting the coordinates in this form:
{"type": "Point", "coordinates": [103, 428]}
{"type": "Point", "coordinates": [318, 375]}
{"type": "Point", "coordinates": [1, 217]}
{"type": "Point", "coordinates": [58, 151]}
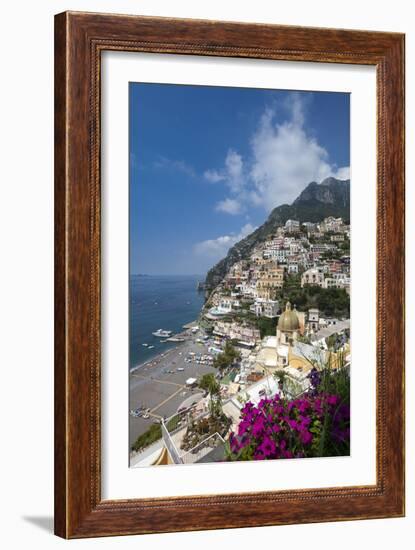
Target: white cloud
{"type": "Point", "coordinates": [175, 165]}
{"type": "Point", "coordinates": [235, 179]}
{"type": "Point", "coordinates": [213, 176]}
{"type": "Point", "coordinates": [284, 158]}
{"type": "Point", "coordinates": [234, 171]}
{"type": "Point", "coordinates": [230, 206]}
{"type": "Point", "coordinates": [215, 249]}
{"type": "Point", "coordinates": [342, 173]}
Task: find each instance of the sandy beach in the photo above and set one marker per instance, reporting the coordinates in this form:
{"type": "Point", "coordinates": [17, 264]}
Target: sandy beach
{"type": "Point", "coordinates": [161, 387]}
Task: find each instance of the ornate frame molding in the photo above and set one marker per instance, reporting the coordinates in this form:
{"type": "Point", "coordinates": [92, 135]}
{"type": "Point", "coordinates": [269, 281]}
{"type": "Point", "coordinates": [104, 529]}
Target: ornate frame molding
{"type": "Point", "coordinates": [79, 40]}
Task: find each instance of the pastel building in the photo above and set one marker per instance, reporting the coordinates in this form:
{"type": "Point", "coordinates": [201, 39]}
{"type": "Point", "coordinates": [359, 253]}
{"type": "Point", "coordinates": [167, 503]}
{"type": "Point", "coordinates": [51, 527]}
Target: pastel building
{"type": "Point", "coordinates": [312, 277]}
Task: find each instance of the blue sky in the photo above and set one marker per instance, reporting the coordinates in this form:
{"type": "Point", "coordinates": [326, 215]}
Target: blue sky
{"type": "Point", "coordinates": [208, 164]}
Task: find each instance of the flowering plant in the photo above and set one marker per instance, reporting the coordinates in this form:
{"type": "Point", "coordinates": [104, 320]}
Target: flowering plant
{"type": "Point", "coordinates": [315, 424]}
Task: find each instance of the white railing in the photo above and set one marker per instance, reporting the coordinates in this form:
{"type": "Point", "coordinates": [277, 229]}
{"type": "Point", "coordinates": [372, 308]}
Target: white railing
{"type": "Point", "coordinates": [198, 451]}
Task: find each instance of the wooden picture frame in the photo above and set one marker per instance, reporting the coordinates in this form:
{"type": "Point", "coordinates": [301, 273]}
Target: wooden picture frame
{"type": "Point", "coordinates": [79, 40]}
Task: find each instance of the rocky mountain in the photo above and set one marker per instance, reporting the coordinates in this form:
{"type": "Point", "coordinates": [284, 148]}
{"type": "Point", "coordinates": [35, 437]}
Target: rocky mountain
{"type": "Point", "coordinates": [331, 197]}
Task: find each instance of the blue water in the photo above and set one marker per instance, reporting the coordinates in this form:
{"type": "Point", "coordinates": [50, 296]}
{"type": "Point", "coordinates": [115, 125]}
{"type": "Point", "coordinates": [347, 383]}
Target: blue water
{"type": "Point", "coordinates": [163, 301]}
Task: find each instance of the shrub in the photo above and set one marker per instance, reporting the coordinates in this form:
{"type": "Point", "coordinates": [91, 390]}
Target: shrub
{"type": "Point", "coordinates": [147, 438]}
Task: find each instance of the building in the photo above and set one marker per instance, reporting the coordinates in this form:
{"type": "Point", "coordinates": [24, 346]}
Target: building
{"type": "Point", "coordinates": [292, 226]}
{"type": "Point", "coordinates": [329, 282]}
{"type": "Point", "coordinates": [310, 227]}
{"type": "Point", "coordinates": [322, 248]}
{"type": "Point", "coordinates": [226, 305]}
{"type": "Point", "coordinates": [335, 266]}
{"type": "Point", "coordinates": [248, 289]}
{"type": "Point", "coordinates": [313, 319]}
{"type": "Point", "coordinates": [244, 335]}
{"type": "Point", "coordinates": [265, 308]}
{"type": "Point", "coordinates": [312, 277]}
{"type": "Point", "coordinates": [332, 225]}
{"type": "Point", "coordinates": [271, 278]}
{"type": "Point", "coordinates": [279, 255]}
{"type": "Point", "coordinates": [337, 280]}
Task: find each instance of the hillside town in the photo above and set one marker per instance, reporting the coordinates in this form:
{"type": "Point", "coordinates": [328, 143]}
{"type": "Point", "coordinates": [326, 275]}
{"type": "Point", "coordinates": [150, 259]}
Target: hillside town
{"type": "Point", "coordinates": [275, 328]}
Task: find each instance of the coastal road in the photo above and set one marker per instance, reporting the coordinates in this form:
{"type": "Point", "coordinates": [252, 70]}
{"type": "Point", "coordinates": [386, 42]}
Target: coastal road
{"type": "Point", "coordinates": [163, 392]}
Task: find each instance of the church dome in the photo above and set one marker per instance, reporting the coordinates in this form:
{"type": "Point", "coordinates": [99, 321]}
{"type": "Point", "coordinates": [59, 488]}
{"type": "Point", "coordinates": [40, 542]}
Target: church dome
{"type": "Point", "coordinates": [288, 320]}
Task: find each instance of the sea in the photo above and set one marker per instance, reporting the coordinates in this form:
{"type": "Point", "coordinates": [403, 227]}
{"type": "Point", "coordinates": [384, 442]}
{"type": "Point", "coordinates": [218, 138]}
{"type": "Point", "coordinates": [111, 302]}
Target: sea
{"type": "Point", "coordinates": [160, 301]}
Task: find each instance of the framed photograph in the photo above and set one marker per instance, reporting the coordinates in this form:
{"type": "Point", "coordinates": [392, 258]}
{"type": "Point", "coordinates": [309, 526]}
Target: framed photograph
{"type": "Point", "coordinates": [229, 226]}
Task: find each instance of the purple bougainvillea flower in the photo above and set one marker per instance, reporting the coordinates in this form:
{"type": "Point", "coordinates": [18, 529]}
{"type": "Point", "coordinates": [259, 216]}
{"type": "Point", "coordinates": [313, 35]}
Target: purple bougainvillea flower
{"type": "Point", "coordinates": [234, 443]}
{"type": "Point", "coordinates": [278, 409]}
{"type": "Point", "coordinates": [249, 417]}
{"type": "Point", "coordinates": [258, 426]}
{"type": "Point", "coordinates": [292, 424]}
{"type": "Point", "coordinates": [243, 427]}
{"type": "Point", "coordinates": [306, 437]}
{"type": "Point", "coordinates": [288, 454]}
{"type": "Point", "coordinates": [277, 426]}
{"type": "Point", "coordinates": [304, 421]}
{"type": "Point", "coordinates": [267, 447]}
{"type": "Point", "coordinates": [303, 405]}
{"type": "Point", "coordinates": [333, 399]}
{"type": "Point", "coordinates": [343, 412]}
{"type": "Point", "coordinates": [259, 456]}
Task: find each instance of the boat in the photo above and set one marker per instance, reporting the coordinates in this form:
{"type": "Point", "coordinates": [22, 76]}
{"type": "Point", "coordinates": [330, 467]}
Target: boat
{"type": "Point", "coordinates": [150, 347]}
{"type": "Point", "coordinates": [146, 345]}
{"type": "Point", "coordinates": [160, 333]}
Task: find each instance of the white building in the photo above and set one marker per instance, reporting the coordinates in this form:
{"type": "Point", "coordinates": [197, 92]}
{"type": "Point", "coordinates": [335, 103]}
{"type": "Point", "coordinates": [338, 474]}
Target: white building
{"type": "Point", "coordinates": [265, 308]}
{"type": "Point", "coordinates": [313, 319]}
{"type": "Point", "coordinates": [337, 280]}
{"type": "Point", "coordinates": [228, 303]}
{"type": "Point", "coordinates": [248, 289]}
{"type": "Point", "coordinates": [243, 334]}
{"type": "Point", "coordinates": [312, 277]}
{"type": "Point", "coordinates": [334, 225]}
{"type": "Point", "coordinates": [292, 226]}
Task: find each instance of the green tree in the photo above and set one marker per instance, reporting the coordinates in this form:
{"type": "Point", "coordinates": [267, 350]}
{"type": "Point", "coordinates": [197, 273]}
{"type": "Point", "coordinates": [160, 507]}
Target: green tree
{"type": "Point", "coordinates": [209, 383]}
{"type": "Point", "coordinates": [280, 376]}
{"type": "Point", "coordinates": [221, 361]}
{"type": "Point", "coordinates": [232, 352]}
{"type": "Point", "coordinates": [227, 358]}
{"type": "Point", "coordinates": [267, 326]}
